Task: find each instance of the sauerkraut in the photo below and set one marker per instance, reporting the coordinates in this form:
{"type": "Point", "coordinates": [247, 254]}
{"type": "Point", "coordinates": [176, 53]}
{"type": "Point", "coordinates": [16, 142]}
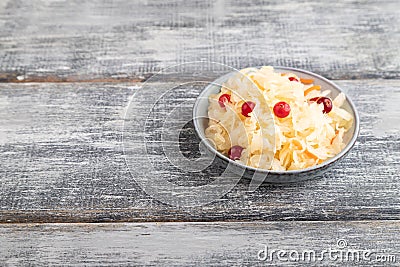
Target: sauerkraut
{"type": "Point", "coordinates": [306, 136]}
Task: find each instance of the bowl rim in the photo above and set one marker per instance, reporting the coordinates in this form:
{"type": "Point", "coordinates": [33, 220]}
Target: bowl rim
{"type": "Point", "coordinates": [324, 164]}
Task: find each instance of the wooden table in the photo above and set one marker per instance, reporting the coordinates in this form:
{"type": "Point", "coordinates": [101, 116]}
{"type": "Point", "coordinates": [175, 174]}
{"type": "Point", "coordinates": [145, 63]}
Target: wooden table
{"type": "Point", "coordinates": [68, 70]}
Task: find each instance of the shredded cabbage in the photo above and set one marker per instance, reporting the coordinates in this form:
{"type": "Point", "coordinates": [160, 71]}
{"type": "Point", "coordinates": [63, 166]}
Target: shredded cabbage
{"type": "Point", "coordinates": [306, 137]}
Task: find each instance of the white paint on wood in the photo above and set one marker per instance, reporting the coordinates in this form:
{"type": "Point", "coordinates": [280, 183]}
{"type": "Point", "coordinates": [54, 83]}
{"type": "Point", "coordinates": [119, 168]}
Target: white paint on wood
{"type": "Point", "coordinates": [91, 39]}
{"type": "Point", "coordinates": [61, 160]}
{"type": "Point", "coordinates": [192, 244]}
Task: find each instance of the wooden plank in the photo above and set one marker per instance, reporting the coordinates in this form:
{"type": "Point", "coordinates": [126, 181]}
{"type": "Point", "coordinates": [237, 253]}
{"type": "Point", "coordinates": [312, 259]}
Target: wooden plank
{"type": "Point", "coordinates": [61, 160]}
{"type": "Point", "coordinates": [205, 244]}
{"type": "Point", "coordinates": [46, 40]}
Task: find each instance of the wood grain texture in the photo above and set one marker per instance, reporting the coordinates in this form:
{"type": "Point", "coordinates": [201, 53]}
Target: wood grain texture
{"type": "Point", "coordinates": [194, 244]}
{"type": "Point", "coordinates": [61, 160]}
{"type": "Point", "coordinates": [56, 41]}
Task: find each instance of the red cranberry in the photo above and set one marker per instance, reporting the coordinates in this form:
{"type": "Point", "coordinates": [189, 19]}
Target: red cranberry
{"type": "Point", "coordinates": [293, 79]}
{"type": "Point", "coordinates": [281, 109]}
{"type": "Point", "coordinates": [324, 100]}
{"type": "Point", "coordinates": [235, 152]}
{"type": "Point", "coordinates": [247, 108]}
{"type": "Point", "coordinates": [224, 98]}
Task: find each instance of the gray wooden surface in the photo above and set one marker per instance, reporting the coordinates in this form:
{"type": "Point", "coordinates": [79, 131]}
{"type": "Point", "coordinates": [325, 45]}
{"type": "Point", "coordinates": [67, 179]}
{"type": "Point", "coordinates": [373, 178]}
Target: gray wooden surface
{"type": "Point", "coordinates": [67, 72]}
{"type": "Point", "coordinates": [194, 244]}
{"type": "Point", "coordinates": [118, 39]}
{"type": "Point", "coordinates": [62, 161]}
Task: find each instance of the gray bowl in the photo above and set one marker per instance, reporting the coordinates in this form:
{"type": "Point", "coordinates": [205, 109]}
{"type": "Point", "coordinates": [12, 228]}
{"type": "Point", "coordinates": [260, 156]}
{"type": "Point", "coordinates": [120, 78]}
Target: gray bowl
{"type": "Point", "coordinates": [200, 114]}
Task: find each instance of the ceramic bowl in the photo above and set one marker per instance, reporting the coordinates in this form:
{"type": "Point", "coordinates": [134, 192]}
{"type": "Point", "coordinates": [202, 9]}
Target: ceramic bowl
{"type": "Point", "coordinates": [269, 176]}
